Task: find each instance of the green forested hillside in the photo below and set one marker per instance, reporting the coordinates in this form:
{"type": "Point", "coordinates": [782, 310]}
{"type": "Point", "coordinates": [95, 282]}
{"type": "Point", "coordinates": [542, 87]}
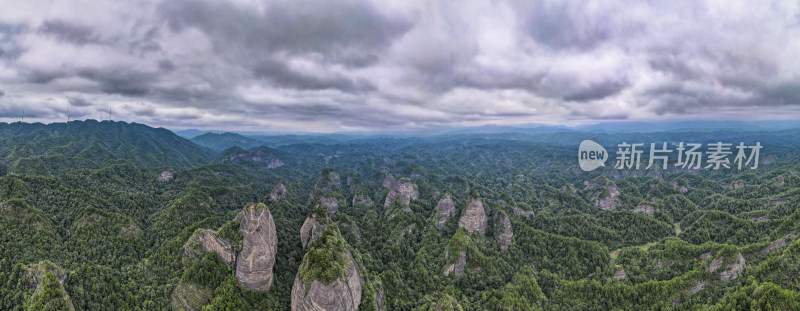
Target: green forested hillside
{"type": "Point", "coordinates": [42, 149]}
{"type": "Point", "coordinates": [88, 218]}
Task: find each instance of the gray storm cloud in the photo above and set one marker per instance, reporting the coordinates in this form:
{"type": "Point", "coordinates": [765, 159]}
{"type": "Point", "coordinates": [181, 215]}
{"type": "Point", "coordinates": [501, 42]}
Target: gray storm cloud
{"type": "Point", "coordinates": [348, 65]}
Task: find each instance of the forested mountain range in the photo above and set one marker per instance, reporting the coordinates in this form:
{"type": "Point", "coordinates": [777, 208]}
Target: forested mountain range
{"type": "Point", "coordinates": [121, 216]}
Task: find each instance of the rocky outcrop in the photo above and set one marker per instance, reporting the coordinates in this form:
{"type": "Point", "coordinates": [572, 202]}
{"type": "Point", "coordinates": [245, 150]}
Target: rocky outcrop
{"type": "Point", "coordinates": [780, 180]}
{"type": "Point", "coordinates": [698, 287]}
{"type": "Point", "coordinates": [444, 209]}
{"type": "Point", "coordinates": [329, 203]}
{"type": "Point", "coordinates": [402, 190]}
{"type": "Point", "coordinates": [38, 274]}
{"type": "Point", "coordinates": [166, 175]}
{"type": "Point", "coordinates": [732, 271]}
{"type": "Point", "coordinates": [611, 201]}
{"type": "Point", "coordinates": [311, 230]}
{"type": "Point", "coordinates": [521, 212]}
{"type": "Point", "coordinates": [388, 182]}
{"type": "Point", "coordinates": [504, 232]}
{"type": "Point", "coordinates": [260, 155]}
{"type": "Point", "coordinates": [278, 193]}
{"type": "Point", "coordinates": [342, 293]}
{"type": "Point", "coordinates": [473, 218]}
{"type": "Point", "coordinates": [646, 209]}
{"type": "Point", "coordinates": [456, 268]}
{"type": "Point", "coordinates": [207, 240]}
{"type": "Point", "coordinates": [361, 199]}
{"type": "Point", "coordinates": [620, 274]}
{"type": "Point", "coordinates": [328, 181]}
{"type": "Point", "coordinates": [259, 246]}
{"type": "Point", "coordinates": [682, 189]}
{"type": "Point", "coordinates": [780, 243]}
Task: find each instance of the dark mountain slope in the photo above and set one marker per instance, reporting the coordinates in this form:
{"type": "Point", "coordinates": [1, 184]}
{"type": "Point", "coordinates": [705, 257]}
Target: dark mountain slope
{"type": "Point", "coordinates": [58, 147]}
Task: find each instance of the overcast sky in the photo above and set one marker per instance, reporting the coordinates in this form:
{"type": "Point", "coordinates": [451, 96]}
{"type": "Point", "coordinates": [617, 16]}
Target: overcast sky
{"type": "Point", "coordinates": [327, 65]}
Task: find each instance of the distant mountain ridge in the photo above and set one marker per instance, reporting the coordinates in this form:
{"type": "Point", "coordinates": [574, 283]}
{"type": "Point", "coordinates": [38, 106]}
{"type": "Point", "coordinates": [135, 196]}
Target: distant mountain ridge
{"type": "Point", "coordinates": [222, 141]}
{"type": "Point", "coordinates": [40, 149]}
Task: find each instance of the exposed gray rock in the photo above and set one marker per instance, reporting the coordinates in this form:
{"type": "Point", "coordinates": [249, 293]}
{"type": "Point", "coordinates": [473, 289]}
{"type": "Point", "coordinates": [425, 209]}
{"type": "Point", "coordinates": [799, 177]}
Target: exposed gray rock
{"type": "Point", "coordinates": [402, 190]}
{"type": "Point", "coordinates": [781, 182]}
{"type": "Point", "coordinates": [329, 203]}
{"type": "Point", "coordinates": [278, 193]}
{"type": "Point", "coordinates": [473, 218]}
{"type": "Point", "coordinates": [620, 274]}
{"type": "Point", "coordinates": [388, 182]}
{"type": "Point", "coordinates": [445, 208]}
{"type": "Point", "coordinates": [780, 243]}
{"type": "Point", "coordinates": [361, 199]}
{"type": "Point", "coordinates": [646, 209]}
{"type": "Point", "coordinates": [456, 268]}
{"type": "Point", "coordinates": [734, 269]}
{"type": "Point", "coordinates": [327, 182]}
{"type": "Point", "coordinates": [166, 175]}
{"type": "Point", "coordinates": [698, 287]}
{"type": "Point", "coordinates": [521, 212]}
{"type": "Point", "coordinates": [343, 294]}
{"type": "Point", "coordinates": [504, 232]}
{"type": "Point", "coordinates": [311, 230]}
{"type": "Point", "coordinates": [259, 246]}
{"type": "Point", "coordinates": [682, 189]}
{"type": "Point", "coordinates": [209, 241]}
{"type": "Point", "coordinates": [37, 273]}
{"type": "Point", "coordinates": [611, 201]}
{"type": "Point", "coordinates": [275, 163]}
{"type": "Point", "coordinates": [257, 156]}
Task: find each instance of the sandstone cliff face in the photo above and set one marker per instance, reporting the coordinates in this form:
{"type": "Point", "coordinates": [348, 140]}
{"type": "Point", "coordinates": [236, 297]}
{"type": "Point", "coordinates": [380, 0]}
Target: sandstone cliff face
{"type": "Point", "coordinates": [473, 217]}
{"type": "Point", "coordinates": [682, 189]}
{"type": "Point", "coordinates": [732, 271]}
{"type": "Point", "coordinates": [456, 268]}
{"type": "Point", "coordinates": [278, 193]}
{"type": "Point", "coordinates": [646, 209]}
{"type": "Point", "coordinates": [329, 203]}
{"type": "Point", "coordinates": [402, 190]}
{"type": "Point", "coordinates": [611, 201]}
{"type": "Point", "coordinates": [311, 230]}
{"type": "Point", "coordinates": [388, 182]}
{"type": "Point", "coordinates": [343, 294]}
{"type": "Point", "coordinates": [361, 199]}
{"type": "Point", "coordinates": [521, 212]}
{"type": "Point", "coordinates": [504, 232]}
{"type": "Point", "coordinates": [259, 246]}
{"type": "Point", "coordinates": [208, 241]}
{"type": "Point", "coordinates": [445, 208]}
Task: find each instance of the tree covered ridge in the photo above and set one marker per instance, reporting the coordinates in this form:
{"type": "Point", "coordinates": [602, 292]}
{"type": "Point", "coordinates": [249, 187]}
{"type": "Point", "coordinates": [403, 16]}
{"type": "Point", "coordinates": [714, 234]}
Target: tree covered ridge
{"type": "Point", "coordinates": [120, 233]}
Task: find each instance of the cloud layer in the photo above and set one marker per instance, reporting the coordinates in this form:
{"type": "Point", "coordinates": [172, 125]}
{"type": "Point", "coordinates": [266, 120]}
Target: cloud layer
{"type": "Point", "coordinates": [363, 65]}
